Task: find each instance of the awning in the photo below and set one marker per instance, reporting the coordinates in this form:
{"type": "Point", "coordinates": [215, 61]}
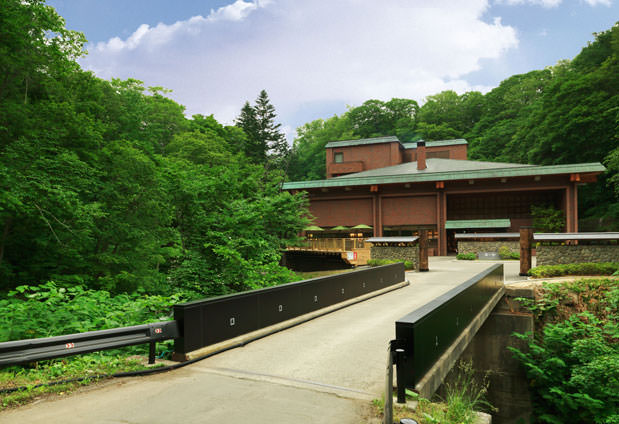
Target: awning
{"type": "Point", "coordinates": [313, 228]}
{"type": "Point", "coordinates": [477, 223]}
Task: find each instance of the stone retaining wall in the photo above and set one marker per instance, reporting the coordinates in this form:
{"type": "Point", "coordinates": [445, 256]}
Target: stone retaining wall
{"type": "Point", "coordinates": [555, 255]}
{"type": "Point", "coordinates": [486, 246]}
{"type": "Point", "coordinates": [404, 253]}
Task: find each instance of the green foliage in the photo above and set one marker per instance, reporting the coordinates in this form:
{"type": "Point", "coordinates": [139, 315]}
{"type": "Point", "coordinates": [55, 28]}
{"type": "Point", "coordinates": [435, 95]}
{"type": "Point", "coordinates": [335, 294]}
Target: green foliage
{"type": "Point", "coordinates": [547, 219]}
{"type": "Point", "coordinates": [49, 310]}
{"type": "Point", "coordinates": [506, 253]}
{"type": "Point", "coordinates": [380, 262]}
{"type": "Point", "coordinates": [466, 256]}
{"type": "Point", "coordinates": [586, 268]}
{"type": "Point", "coordinates": [573, 363]}
{"type": "Point", "coordinates": [106, 185]}
{"type": "Point", "coordinates": [265, 143]}
{"type": "Point", "coordinates": [87, 368]}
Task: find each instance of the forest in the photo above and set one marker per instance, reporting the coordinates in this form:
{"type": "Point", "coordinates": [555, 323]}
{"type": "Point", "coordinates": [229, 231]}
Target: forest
{"type": "Point", "coordinates": [566, 113]}
{"type": "Point", "coordinates": [108, 185]}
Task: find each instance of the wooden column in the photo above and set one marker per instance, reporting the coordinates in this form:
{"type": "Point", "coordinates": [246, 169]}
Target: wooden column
{"type": "Point", "coordinates": [380, 216]}
{"type": "Point", "coordinates": [441, 214]}
{"type": "Point", "coordinates": [375, 214]}
{"type": "Point", "coordinates": [423, 250]}
{"type": "Point", "coordinates": [526, 240]}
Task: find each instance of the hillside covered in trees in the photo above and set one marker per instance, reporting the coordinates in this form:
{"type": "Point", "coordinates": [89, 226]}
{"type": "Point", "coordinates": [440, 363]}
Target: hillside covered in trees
{"type": "Point", "coordinates": [567, 113]}
{"type": "Point", "coordinates": [107, 185]}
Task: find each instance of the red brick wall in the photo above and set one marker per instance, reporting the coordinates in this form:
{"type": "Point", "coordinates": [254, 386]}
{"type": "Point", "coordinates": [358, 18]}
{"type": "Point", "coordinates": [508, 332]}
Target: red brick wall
{"type": "Point", "coordinates": [458, 151]}
{"type": "Point", "coordinates": [418, 210]}
{"type": "Point", "coordinates": [330, 213]}
{"type": "Point", "coordinates": [372, 155]}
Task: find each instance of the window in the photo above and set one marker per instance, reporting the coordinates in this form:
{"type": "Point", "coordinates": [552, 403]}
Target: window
{"type": "Point", "coordinates": [339, 157]}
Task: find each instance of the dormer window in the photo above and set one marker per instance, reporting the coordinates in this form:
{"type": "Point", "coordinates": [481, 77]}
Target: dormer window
{"type": "Point", "coordinates": [338, 157]}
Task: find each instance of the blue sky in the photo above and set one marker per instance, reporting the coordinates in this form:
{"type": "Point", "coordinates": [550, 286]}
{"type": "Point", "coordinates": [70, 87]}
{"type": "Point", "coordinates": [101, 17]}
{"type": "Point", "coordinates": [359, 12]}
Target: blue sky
{"type": "Point", "coordinates": [316, 57]}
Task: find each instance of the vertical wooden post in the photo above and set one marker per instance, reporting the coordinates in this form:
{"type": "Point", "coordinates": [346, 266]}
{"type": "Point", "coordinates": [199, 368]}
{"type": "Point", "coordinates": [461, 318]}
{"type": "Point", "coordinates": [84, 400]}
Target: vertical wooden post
{"type": "Point", "coordinates": [526, 240]}
{"type": "Point", "coordinates": [423, 250]}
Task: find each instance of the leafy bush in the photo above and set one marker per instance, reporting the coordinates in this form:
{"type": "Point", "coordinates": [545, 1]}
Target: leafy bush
{"type": "Point", "coordinates": [585, 268]}
{"type": "Point", "coordinates": [573, 362]}
{"type": "Point", "coordinates": [47, 310]}
{"type": "Point", "coordinates": [379, 262]}
{"type": "Point", "coordinates": [506, 253]}
{"type": "Point", "coordinates": [547, 219]}
{"type": "Point", "coordinates": [466, 256]}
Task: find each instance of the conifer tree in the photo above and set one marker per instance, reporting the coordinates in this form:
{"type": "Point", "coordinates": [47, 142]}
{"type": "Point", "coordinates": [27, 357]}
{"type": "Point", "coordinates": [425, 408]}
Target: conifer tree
{"type": "Point", "coordinates": [266, 143]}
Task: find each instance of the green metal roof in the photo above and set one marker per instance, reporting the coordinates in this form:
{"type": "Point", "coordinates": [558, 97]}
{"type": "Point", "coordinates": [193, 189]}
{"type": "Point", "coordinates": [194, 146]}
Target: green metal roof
{"type": "Point", "coordinates": [433, 165]}
{"type": "Point", "coordinates": [392, 139]}
{"type": "Point", "coordinates": [477, 223]}
{"type": "Point", "coordinates": [437, 143]}
{"type": "Point", "coordinates": [444, 172]}
{"type": "Point", "coordinates": [362, 141]}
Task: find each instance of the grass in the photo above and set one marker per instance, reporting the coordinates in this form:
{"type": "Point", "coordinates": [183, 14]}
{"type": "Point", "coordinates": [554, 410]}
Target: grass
{"type": "Point", "coordinates": [464, 395]}
{"type": "Point", "coordinates": [51, 375]}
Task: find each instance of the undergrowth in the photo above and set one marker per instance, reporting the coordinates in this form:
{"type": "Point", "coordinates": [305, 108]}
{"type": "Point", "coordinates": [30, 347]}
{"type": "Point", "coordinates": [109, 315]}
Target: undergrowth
{"type": "Point", "coordinates": [573, 359]}
{"type": "Point", "coordinates": [585, 268]}
{"type": "Point", "coordinates": [53, 377]}
{"type": "Point", "coordinates": [464, 395]}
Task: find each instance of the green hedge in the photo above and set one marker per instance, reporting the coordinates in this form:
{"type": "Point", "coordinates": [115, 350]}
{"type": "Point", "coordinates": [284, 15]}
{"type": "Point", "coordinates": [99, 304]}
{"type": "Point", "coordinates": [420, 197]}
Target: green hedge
{"type": "Point", "coordinates": [467, 256]}
{"type": "Point", "coordinates": [379, 262]}
{"type": "Point", "coordinates": [586, 268]}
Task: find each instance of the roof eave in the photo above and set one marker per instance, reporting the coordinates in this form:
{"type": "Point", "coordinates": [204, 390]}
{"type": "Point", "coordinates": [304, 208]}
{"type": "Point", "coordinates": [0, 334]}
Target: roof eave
{"type": "Point", "coordinates": [524, 171]}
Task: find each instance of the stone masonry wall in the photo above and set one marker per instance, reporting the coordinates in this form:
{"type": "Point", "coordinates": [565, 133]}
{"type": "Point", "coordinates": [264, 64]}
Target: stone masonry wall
{"type": "Point", "coordinates": [486, 246]}
{"type": "Point", "coordinates": [555, 255]}
{"type": "Point", "coordinates": [404, 253]}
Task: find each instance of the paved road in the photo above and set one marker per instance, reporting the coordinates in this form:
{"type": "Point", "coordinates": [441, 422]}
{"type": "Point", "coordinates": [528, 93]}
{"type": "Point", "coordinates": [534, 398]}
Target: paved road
{"type": "Point", "coordinates": [323, 371]}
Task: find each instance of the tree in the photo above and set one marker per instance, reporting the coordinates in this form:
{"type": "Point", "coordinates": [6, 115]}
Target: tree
{"type": "Point", "coordinates": [265, 144]}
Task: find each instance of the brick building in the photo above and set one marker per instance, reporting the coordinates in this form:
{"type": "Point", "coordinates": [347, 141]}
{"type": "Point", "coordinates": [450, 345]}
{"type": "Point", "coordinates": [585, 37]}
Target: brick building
{"type": "Point", "coordinates": [398, 188]}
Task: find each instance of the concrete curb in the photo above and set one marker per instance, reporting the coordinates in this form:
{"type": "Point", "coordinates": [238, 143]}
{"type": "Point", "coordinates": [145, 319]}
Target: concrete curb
{"type": "Point", "coordinates": [263, 332]}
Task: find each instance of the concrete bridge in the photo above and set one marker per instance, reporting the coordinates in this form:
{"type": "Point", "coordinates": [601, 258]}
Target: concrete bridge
{"type": "Point", "coordinates": [323, 371]}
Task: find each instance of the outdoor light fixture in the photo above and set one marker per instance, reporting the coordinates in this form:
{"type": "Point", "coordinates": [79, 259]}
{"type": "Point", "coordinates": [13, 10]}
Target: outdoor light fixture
{"type": "Point", "coordinates": [537, 178]}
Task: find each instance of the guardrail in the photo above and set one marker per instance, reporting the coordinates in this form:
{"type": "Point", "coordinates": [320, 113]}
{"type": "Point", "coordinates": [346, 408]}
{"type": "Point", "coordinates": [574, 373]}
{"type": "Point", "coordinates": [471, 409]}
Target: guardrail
{"type": "Point", "coordinates": [23, 351]}
{"type": "Point", "coordinates": [426, 333]}
{"type": "Point", "coordinates": [209, 321]}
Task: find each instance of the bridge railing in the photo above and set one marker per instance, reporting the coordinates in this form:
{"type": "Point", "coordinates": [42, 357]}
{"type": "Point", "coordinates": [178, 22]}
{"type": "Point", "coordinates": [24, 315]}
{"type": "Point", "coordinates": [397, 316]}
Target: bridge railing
{"type": "Point", "coordinates": [23, 351]}
{"type": "Point", "coordinates": [425, 334]}
{"type": "Point", "coordinates": [209, 321]}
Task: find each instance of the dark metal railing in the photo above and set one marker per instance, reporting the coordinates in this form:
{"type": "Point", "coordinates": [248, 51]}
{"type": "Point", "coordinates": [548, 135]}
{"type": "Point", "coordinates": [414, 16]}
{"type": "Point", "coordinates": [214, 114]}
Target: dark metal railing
{"type": "Point", "coordinates": [427, 332]}
{"type": "Point", "coordinates": [209, 321]}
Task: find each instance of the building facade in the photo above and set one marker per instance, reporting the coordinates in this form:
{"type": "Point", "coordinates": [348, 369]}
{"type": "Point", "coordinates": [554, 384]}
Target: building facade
{"type": "Point", "coordinates": [398, 188]}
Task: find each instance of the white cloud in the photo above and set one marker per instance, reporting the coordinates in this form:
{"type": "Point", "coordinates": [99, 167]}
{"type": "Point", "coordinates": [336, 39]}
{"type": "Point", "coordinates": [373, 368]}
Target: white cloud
{"type": "Point", "coordinates": [596, 2]}
{"type": "Point", "coordinates": [236, 11]}
{"type": "Point", "coordinates": [313, 52]}
{"type": "Point", "coordinates": [544, 3]}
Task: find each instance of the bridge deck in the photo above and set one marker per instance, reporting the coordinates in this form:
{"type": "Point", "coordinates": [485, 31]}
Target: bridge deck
{"type": "Point", "coordinates": [289, 374]}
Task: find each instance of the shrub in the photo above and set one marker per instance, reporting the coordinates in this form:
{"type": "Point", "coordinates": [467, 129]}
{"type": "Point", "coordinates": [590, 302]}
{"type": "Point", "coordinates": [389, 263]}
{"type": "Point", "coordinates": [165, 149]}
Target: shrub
{"type": "Point", "coordinates": [466, 256]}
{"type": "Point", "coordinates": [506, 253]}
{"type": "Point", "coordinates": [47, 310]}
{"type": "Point", "coordinates": [573, 361]}
{"type": "Point", "coordinates": [585, 268]}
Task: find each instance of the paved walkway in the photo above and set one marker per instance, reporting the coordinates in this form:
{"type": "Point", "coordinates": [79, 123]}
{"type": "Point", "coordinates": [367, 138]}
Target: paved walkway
{"type": "Point", "coordinates": [323, 371]}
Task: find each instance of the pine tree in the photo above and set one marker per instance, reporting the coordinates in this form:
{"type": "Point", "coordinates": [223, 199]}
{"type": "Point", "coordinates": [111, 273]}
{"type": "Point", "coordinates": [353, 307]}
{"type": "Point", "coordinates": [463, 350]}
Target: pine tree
{"type": "Point", "coordinates": [266, 143]}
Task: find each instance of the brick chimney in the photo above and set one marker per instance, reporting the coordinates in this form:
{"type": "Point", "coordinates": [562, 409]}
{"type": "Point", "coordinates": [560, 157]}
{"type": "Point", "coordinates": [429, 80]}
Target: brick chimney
{"type": "Point", "coordinates": [421, 155]}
